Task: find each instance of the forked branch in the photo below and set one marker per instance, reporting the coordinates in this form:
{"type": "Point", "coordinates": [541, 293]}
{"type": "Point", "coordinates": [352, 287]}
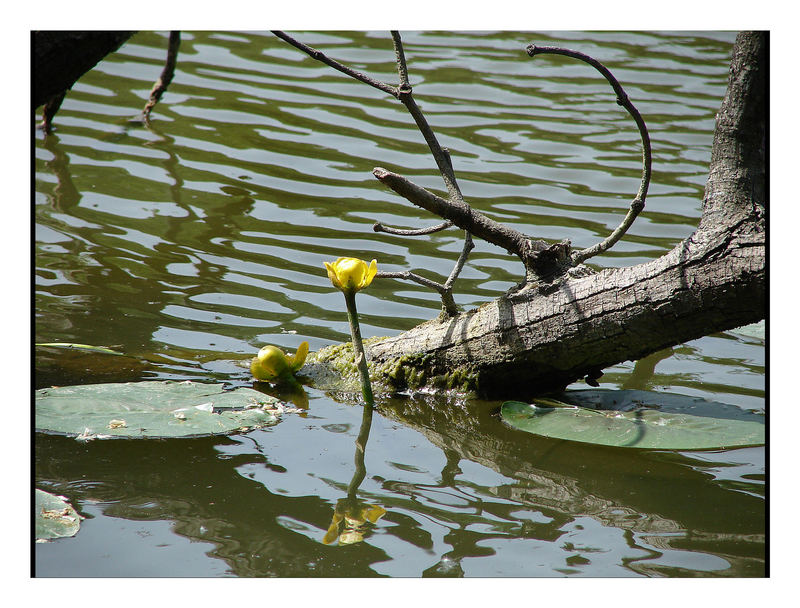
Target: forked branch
{"type": "Point", "coordinates": [403, 92]}
{"type": "Point", "coordinates": [542, 261]}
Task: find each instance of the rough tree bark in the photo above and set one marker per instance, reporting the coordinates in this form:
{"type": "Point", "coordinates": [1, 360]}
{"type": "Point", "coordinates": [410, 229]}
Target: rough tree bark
{"type": "Point", "coordinates": [548, 335]}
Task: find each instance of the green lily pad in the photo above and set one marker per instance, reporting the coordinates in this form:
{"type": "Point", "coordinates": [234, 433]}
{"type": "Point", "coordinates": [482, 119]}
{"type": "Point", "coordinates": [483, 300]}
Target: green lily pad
{"type": "Point", "coordinates": [754, 330]}
{"type": "Point", "coordinates": [55, 517]}
{"type": "Point", "coordinates": [82, 347]}
{"type": "Point", "coordinates": [638, 419]}
{"type": "Point", "coordinates": [156, 409]}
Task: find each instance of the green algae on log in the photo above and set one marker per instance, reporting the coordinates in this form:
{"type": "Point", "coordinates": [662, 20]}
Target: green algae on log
{"type": "Point", "coordinates": [333, 369]}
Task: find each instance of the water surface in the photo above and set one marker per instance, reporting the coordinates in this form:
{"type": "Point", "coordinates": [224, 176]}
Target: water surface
{"type": "Point", "coordinates": [193, 242]}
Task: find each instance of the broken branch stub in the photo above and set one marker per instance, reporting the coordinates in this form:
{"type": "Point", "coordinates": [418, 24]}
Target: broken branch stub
{"type": "Point", "coordinates": [542, 261]}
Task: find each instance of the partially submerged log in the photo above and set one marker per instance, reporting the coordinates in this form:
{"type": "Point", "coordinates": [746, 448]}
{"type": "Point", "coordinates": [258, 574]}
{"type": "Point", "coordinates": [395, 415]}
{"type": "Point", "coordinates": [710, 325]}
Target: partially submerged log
{"type": "Point", "coordinates": [549, 334]}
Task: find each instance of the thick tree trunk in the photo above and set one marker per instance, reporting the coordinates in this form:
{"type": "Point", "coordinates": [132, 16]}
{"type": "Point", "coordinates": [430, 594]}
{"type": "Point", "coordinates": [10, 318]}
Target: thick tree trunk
{"type": "Point", "coordinates": [549, 335]}
{"type": "Point", "coordinates": [61, 57]}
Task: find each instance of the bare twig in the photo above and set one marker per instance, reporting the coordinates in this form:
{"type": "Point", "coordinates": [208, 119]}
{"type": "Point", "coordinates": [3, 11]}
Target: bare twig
{"type": "Point", "coordinates": [166, 75]}
{"type": "Point", "coordinates": [468, 246]}
{"type": "Point", "coordinates": [542, 261]}
{"type": "Point", "coordinates": [402, 69]}
{"type": "Point", "coordinates": [446, 292]}
{"type": "Point", "coordinates": [320, 56]}
{"type": "Point", "coordinates": [441, 155]}
{"type": "Point", "coordinates": [622, 99]}
{"type": "Point", "coordinates": [378, 227]}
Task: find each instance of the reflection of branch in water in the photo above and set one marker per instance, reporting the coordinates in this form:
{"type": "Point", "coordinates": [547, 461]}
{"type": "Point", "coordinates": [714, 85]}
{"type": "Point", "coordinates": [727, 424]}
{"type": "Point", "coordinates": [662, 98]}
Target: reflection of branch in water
{"type": "Point", "coordinates": [65, 194]}
{"type": "Point", "coordinates": [351, 515]}
{"type": "Point", "coordinates": [642, 375]}
{"type": "Point", "coordinates": [451, 468]}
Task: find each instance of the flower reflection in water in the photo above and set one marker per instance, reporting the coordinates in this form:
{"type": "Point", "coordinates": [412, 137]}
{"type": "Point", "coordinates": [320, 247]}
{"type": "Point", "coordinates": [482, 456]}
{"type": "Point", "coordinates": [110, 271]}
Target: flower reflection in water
{"type": "Point", "coordinates": [352, 517]}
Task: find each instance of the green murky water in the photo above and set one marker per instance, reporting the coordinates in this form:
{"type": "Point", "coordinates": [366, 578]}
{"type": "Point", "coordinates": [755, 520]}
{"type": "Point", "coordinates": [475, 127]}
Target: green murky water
{"type": "Point", "coordinates": [194, 242]}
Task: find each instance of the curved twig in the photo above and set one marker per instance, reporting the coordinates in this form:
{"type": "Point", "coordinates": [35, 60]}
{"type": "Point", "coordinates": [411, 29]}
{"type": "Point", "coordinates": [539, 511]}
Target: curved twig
{"type": "Point", "coordinates": [637, 204]}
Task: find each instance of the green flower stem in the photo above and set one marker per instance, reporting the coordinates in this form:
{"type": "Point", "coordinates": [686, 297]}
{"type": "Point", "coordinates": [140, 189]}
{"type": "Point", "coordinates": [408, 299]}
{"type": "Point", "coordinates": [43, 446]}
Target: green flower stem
{"type": "Point", "coordinates": [358, 346]}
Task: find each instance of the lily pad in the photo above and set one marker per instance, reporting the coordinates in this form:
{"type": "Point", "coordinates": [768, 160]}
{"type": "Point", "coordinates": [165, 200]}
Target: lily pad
{"type": "Point", "coordinates": [155, 409]}
{"type": "Point", "coordinates": [754, 330]}
{"type": "Point", "coordinates": [83, 347]}
{"type": "Point", "coordinates": [638, 419]}
{"type": "Point", "coordinates": [55, 517]}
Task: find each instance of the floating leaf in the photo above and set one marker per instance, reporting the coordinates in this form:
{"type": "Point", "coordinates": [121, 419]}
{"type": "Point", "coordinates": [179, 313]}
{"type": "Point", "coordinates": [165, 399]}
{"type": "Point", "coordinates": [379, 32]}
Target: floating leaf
{"type": "Point", "coordinates": [638, 419]}
{"type": "Point", "coordinates": [55, 517]}
{"type": "Point", "coordinates": [754, 330]}
{"type": "Point", "coordinates": [152, 409]}
{"type": "Point", "coordinates": [86, 347]}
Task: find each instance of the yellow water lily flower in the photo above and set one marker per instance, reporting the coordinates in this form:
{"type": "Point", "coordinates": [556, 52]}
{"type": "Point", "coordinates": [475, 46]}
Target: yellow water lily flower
{"type": "Point", "coordinates": [351, 274]}
{"type": "Point", "coordinates": [271, 363]}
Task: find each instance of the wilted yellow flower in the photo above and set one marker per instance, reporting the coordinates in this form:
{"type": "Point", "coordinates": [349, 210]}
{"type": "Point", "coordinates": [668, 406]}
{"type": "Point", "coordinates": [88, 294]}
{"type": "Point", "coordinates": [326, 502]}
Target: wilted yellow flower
{"type": "Point", "coordinates": [271, 363]}
{"type": "Point", "coordinates": [351, 274]}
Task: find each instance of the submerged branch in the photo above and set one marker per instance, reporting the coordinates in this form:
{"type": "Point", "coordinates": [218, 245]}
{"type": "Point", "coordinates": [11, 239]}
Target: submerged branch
{"type": "Point", "coordinates": [166, 75]}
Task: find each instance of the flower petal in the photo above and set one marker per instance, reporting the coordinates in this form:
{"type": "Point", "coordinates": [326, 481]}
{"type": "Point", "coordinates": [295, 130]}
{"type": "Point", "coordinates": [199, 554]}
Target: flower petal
{"type": "Point", "coordinates": [371, 272]}
{"type": "Point", "coordinates": [331, 268]}
{"type": "Point", "coordinates": [299, 358]}
{"type": "Point", "coordinates": [351, 274]}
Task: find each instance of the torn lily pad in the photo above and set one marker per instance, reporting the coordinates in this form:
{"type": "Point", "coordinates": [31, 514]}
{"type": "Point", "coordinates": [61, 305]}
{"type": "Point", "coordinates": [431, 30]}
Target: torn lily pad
{"type": "Point", "coordinates": [152, 409]}
{"type": "Point", "coordinates": [55, 517]}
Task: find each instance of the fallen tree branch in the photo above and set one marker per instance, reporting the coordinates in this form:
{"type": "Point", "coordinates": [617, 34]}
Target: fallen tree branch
{"type": "Point", "coordinates": [545, 337]}
{"type": "Point", "coordinates": [542, 261]}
